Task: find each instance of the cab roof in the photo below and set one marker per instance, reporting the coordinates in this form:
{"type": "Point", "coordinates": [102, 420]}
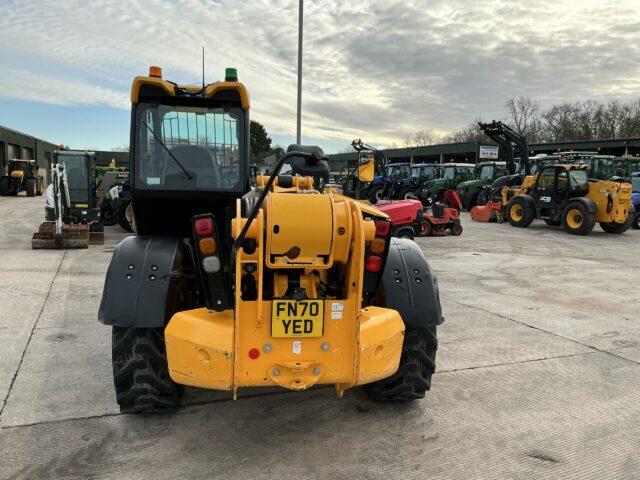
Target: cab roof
{"type": "Point", "coordinates": [155, 86]}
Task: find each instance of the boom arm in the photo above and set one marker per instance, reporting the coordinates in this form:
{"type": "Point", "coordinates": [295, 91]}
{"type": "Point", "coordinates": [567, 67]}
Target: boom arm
{"type": "Point", "coordinates": [506, 137]}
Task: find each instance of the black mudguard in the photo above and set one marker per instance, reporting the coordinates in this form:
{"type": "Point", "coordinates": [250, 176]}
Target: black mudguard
{"type": "Point", "coordinates": [142, 287]}
{"type": "Point", "coordinates": [587, 202]}
{"type": "Point", "coordinates": [410, 286]}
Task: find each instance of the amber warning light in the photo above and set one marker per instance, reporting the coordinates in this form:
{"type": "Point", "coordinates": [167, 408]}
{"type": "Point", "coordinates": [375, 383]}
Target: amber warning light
{"type": "Point", "coordinates": [155, 72]}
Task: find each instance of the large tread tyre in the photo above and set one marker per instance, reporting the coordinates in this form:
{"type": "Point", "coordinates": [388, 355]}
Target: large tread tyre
{"type": "Point", "coordinates": [577, 220]}
{"type": "Point", "coordinates": [123, 220]}
{"type": "Point", "coordinates": [140, 371]}
{"type": "Point", "coordinates": [616, 228]}
{"type": "Point", "coordinates": [5, 189]}
{"type": "Point", "coordinates": [417, 365]}
{"type": "Point", "coordinates": [375, 194]}
{"type": "Point", "coordinates": [408, 194]}
{"type": "Point", "coordinates": [31, 187]}
{"type": "Point", "coordinates": [471, 202]}
{"type": "Point", "coordinates": [404, 231]}
{"type": "Point", "coordinates": [518, 213]}
{"type": "Point", "coordinates": [41, 187]}
{"type": "Point", "coordinates": [635, 223]}
{"type": "Point", "coordinates": [108, 215]}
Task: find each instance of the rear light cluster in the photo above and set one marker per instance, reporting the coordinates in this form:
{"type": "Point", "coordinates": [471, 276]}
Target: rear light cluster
{"type": "Point", "coordinates": [205, 232]}
{"type": "Point", "coordinates": [374, 254]}
{"type": "Point", "coordinates": [209, 256]}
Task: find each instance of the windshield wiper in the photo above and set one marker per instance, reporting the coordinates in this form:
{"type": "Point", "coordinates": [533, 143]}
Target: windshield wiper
{"type": "Point", "coordinates": [189, 176]}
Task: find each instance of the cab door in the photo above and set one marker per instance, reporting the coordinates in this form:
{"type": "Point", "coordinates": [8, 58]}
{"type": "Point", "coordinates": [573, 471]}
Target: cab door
{"type": "Point", "coordinates": [544, 191]}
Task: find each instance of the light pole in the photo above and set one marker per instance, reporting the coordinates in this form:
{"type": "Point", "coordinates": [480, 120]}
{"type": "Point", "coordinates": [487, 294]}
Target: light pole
{"type": "Point", "coordinates": [299, 115]}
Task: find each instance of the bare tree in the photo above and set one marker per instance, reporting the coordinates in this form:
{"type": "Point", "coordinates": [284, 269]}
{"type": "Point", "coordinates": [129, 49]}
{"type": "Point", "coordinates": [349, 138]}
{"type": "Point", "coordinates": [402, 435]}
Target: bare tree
{"type": "Point", "coordinates": [422, 138]}
{"type": "Point", "coordinates": [523, 115]}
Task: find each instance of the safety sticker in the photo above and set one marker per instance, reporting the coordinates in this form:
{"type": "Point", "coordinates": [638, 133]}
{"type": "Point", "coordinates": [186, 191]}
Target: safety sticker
{"type": "Point", "coordinates": [297, 347]}
{"type": "Point", "coordinates": [337, 307]}
{"type": "Point", "coordinates": [336, 315]}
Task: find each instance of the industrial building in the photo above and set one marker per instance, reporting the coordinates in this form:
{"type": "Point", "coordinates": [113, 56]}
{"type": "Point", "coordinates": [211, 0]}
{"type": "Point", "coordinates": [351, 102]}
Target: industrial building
{"type": "Point", "coordinates": [15, 144]}
{"type": "Point", "coordinates": [470, 151]}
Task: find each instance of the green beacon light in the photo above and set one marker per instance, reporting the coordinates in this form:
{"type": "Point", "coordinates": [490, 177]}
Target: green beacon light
{"type": "Point", "coordinates": [231, 75]}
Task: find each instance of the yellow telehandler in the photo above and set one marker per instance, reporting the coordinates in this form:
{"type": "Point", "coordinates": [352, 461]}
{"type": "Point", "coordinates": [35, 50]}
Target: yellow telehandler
{"type": "Point", "coordinates": [225, 286]}
{"type": "Point", "coordinates": [562, 194]}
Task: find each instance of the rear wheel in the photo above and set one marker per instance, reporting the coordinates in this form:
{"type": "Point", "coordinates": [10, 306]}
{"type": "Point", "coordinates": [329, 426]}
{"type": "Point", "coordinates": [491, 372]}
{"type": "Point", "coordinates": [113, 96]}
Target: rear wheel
{"type": "Point", "coordinates": [375, 194]}
{"type": "Point", "coordinates": [417, 364]}
{"type": "Point", "coordinates": [577, 220]}
{"type": "Point", "coordinates": [4, 186]}
{"type": "Point", "coordinates": [616, 227]}
{"type": "Point", "coordinates": [483, 197]}
{"type": "Point", "coordinates": [518, 213]}
{"type": "Point", "coordinates": [408, 194]}
{"type": "Point", "coordinates": [41, 187]}
{"type": "Point", "coordinates": [472, 202]}
{"type": "Point", "coordinates": [140, 371]}
{"type": "Point", "coordinates": [456, 229]}
{"type": "Point", "coordinates": [31, 187]}
{"type": "Point", "coordinates": [108, 215]}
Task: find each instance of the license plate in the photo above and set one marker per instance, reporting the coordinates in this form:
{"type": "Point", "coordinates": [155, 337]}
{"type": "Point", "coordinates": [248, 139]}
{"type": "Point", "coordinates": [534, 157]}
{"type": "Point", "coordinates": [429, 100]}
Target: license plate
{"type": "Point", "coordinates": [297, 318]}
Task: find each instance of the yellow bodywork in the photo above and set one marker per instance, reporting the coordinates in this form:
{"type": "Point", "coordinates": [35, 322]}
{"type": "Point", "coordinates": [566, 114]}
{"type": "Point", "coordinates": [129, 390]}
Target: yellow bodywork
{"type": "Point", "coordinates": [613, 199]}
{"type": "Point", "coordinates": [211, 91]}
{"type": "Point", "coordinates": [314, 233]}
{"type": "Point", "coordinates": [17, 174]}
{"type": "Point", "coordinates": [366, 169]}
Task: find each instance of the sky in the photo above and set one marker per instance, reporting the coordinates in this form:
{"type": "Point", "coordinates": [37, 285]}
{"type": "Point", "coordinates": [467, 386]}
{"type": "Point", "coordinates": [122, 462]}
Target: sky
{"type": "Point", "coordinates": [376, 70]}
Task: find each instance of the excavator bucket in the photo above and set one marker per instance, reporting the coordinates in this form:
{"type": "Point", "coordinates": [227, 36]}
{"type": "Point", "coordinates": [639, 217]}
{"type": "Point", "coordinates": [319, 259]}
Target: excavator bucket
{"type": "Point", "coordinates": [72, 236]}
{"type": "Point", "coordinates": [486, 213]}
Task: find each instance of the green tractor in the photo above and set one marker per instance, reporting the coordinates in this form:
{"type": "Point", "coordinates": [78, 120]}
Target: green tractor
{"type": "Point", "coordinates": [451, 175]}
{"type": "Point", "coordinates": [484, 174]}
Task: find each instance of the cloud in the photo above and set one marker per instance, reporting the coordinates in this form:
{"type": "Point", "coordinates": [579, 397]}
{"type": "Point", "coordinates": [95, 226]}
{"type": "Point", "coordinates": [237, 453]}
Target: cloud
{"type": "Point", "coordinates": [54, 90]}
{"type": "Point", "coordinates": [377, 70]}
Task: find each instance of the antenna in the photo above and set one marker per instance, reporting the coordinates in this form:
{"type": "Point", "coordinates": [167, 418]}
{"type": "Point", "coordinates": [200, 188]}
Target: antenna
{"type": "Point", "coordinates": [203, 70]}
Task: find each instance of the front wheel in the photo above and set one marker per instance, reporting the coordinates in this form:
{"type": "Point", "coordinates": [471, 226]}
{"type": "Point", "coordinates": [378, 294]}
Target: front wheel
{"type": "Point", "coordinates": [518, 213]}
{"type": "Point", "coordinates": [108, 215]}
{"type": "Point", "coordinates": [577, 220]}
{"type": "Point", "coordinates": [417, 365]}
{"type": "Point", "coordinates": [140, 371]}
{"type": "Point", "coordinates": [31, 187]}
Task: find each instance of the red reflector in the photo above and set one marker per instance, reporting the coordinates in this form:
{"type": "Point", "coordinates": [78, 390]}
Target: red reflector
{"type": "Point", "coordinates": [254, 353]}
{"type": "Point", "coordinates": [373, 263]}
{"type": "Point", "coordinates": [382, 228]}
{"type": "Point", "coordinates": [204, 226]}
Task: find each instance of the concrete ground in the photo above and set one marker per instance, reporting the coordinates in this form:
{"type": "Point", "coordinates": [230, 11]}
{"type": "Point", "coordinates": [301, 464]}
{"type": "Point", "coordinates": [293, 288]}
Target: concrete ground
{"type": "Point", "coordinates": [538, 375]}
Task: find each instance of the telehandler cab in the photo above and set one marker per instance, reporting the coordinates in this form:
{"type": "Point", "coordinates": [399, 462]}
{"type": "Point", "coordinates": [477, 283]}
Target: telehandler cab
{"type": "Point", "coordinates": [562, 194]}
{"type": "Point", "coordinates": [225, 287]}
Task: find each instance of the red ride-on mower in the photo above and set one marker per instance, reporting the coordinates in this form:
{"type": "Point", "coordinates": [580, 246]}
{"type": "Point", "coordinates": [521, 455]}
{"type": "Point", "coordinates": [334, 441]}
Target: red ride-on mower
{"type": "Point", "coordinates": [410, 220]}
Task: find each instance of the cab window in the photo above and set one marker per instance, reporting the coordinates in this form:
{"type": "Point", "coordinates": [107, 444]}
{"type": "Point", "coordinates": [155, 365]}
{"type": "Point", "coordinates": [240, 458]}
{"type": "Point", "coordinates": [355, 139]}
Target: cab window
{"type": "Point", "coordinates": [579, 182]}
{"type": "Point", "coordinates": [546, 179]}
{"type": "Point", "coordinates": [486, 172]}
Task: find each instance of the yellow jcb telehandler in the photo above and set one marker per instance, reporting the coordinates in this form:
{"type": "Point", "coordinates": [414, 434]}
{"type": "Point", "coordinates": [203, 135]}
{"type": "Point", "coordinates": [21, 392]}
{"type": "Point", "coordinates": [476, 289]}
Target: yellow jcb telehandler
{"type": "Point", "coordinates": [562, 194]}
{"type": "Point", "coordinates": [224, 286]}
